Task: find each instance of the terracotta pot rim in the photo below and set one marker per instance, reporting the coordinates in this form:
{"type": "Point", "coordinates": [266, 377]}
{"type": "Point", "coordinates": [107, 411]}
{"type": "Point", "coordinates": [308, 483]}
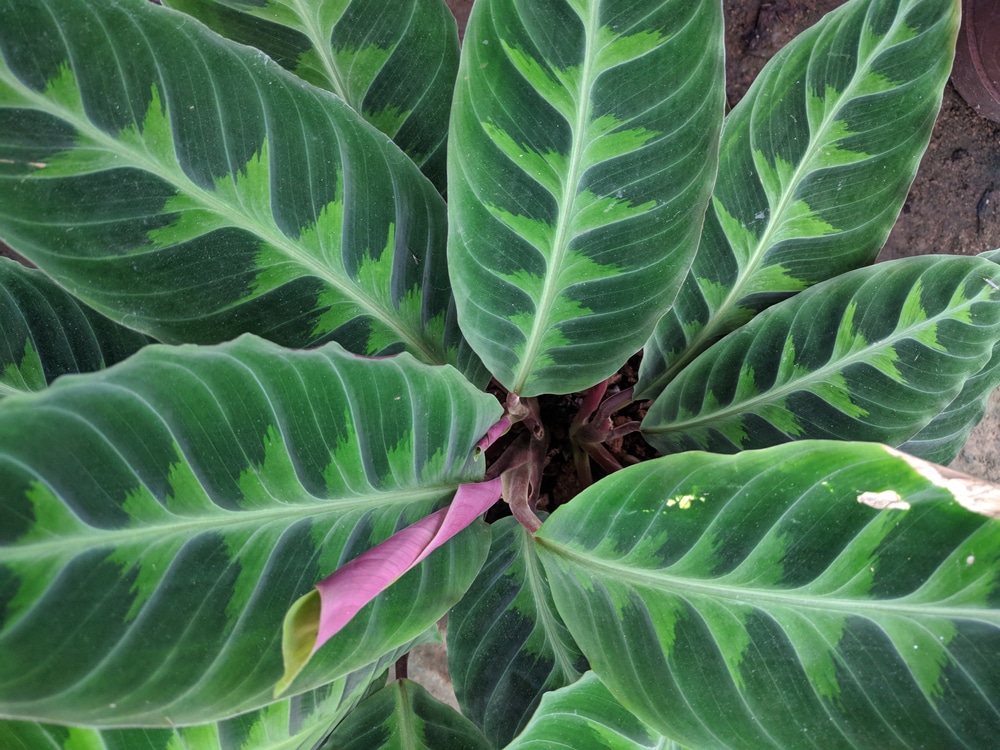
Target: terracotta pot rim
{"type": "Point", "coordinates": [976, 73]}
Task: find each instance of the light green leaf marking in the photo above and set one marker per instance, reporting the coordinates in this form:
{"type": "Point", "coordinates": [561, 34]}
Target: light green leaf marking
{"type": "Point", "coordinates": [556, 89]}
{"type": "Point", "coordinates": [606, 139]}
{"type": "Point", "coordinates": [743, 241]}
{"type": "Point", "coordinates": [575, 269]}
{"type": "Point", "coordinates": [25, 375]}
{"type": "Point", "coordinates": [849, 343]}
{"type": "Point", "coordinates": [249, 188]}
{"type": "Point", "coordinates": [791, 219]}
{"type": "Point", "coordinates": [829, 153]}
{"type": "Point", "coordinates": [615, 49]}
{"type": "Point", "coordinates": [357, 68]}
{"type": "Point", "coordinates": [389, 120]}
{"type": "Point", "coordinates": [537, 233]}
{"type": "Point", "coordinates": [835, 392]}
{"type": "Point", "coordinates": [592, 212]}
{"type": "Point", "coordinates": [815, 640]}
{"type": "Point", "coordinates": [275, 479]}
{"type": "Point", "coordinates": [923, 649]}
{"type": "Point", "coordinates": [870, 43]}
{"type": "Point", "coordinates": [345, 474]}
{"type": "Point", "coordinates": [913, 318]}
{"type": "Point", "coordinates": [727, 622]}
{"type": "Point", "coordinates": [546, 169]}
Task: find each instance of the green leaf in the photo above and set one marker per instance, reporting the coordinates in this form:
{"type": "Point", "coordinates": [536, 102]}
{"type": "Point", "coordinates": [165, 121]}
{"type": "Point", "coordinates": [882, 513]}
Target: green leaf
{"type": "Point", "coordinates": [815, 164]}
{"type": "Point", "coordinates": [297, 723]}
{"type": "Point", "coordinates": [395, 63]}
{"type": "Point", "coordinates": [507, 644]}
{"type": "Point", "coordinates": [45, 332]}
{"type": "Point", "coordinates": [583, 147]}
{"type": "Point", "coordinates": [158, 519]}
{"type": "Point", "coordinates": [586, 715]}
{"type": "Point", "coordinates": [874, 354]}
{"type": "Point", "coordinates": [203, 172]}
{"type": "Point", "coordinates": [404, 715]}
{"type": "Point", "coordinates": [761, 601]}
{"type": "Point", "coordinates": [945, 436]}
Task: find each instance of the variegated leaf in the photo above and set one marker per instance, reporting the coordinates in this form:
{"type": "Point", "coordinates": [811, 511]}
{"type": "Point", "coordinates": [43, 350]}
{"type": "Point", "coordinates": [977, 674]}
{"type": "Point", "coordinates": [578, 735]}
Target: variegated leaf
{"type": "Point", "coordinates": [586, 715]}
{"type": "Point", "coordinates": [874, 354]}
{"type": "Point", "coordinates": [45, 332]}
{"type": "Point", "coordinates": [815, 163]}
{"type": "Point", "coordinates": [158, 518]}
{"type": "Point", "coordinates": [201, 191]}
{"type": "Point", "coordinates": [812, 595]}
{"type": "Point", "coordinates": [298, 723]}
{"type": "Point", "coordinates": [507, 645]}
{"type": "Point", "coordinates": [405, 715]}
{"type": "Point", "coordinates": [583, 147]}
{"type": "Point", "coordinates": [394, 62]}
{"type": "Point", "coordinates": [945, 436]}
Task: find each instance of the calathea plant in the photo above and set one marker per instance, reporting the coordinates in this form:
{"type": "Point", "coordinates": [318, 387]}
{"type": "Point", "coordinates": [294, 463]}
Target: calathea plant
{"type": "Point", "coordinates": [227, 538]}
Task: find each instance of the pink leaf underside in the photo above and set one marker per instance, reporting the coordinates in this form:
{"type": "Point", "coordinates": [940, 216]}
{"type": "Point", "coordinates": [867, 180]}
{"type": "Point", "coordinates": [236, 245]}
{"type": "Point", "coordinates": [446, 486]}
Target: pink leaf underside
{"type": "Point", "coordinates": [352, 586]}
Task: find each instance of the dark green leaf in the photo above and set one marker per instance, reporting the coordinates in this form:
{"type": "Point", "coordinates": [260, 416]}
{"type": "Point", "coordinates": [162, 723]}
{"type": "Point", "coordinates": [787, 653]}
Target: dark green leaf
{"type": "Point", "coordinates": [945, 436]}
{"type": "Point", "coordinates": [158, 518]}
{"type": "Point", "coordinates": [874, 355]}
{"type": "Point", "coordinates": [405, 715]}
{"type": "Point", "coordinates": [45, 332]}
{"type": "Point", "coordinates": [815, 164]}
{"type": "Point", "coordinates": [586, 715]}
{"type": "Point", "coordinates": [583, 147]}
{"type": "Point", "coordinates": [298, 723]}
{"type": "Point", "coordinates": [201, 191]}
{"type": "Point", "coordinates": [762, 601]}
{"type": "Point", "coordinates": [507, 644]}
{"type": "Point", "coordinates": [394, 62]}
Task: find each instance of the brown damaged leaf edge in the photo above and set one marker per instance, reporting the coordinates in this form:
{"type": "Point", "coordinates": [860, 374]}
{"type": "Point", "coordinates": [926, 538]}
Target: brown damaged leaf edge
{"type": "Point", "coordinates": [976, 495]}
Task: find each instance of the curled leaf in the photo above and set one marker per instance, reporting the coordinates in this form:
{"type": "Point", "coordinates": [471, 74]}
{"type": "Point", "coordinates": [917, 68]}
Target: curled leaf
{"type": "Point", "coordinates": [319, 615]}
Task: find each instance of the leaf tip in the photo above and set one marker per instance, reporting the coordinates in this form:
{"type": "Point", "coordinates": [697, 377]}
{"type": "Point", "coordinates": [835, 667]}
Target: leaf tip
{"type": "Point", "coordinates": [300, 631]}
{"type": "Point", "coordinates": [973, 494]}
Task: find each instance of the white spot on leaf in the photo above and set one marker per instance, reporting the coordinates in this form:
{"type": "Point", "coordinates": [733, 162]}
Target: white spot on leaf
{"type": "Point", "coordinates": [886, 500]}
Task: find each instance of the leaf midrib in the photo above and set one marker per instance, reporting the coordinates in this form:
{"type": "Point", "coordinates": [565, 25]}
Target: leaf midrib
{"type": "Point", "coordinates": [537, 586]}
{"type": "Point", "coordinates": [217, 520]}
{"type": "Point", "coordinates": [207, 200]}
{"type": "Point", "coordinates": [793, 598]}
{"type": "Point", "coordinates": [710, 332]}
{"type": "Point", "coordinates": [560, 243]}
{"type": "Point", "coordinates": [309, 14]}
{"type": "Point", "coordinates": [773, 396]}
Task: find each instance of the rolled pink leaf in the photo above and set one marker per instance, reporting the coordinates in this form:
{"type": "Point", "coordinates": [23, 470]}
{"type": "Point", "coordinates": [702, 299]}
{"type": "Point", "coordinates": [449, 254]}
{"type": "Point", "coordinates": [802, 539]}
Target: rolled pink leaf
{"type": "Point", "coordinates": [352, 586]}
{"type": "Point", "coordinates": [493, 433]}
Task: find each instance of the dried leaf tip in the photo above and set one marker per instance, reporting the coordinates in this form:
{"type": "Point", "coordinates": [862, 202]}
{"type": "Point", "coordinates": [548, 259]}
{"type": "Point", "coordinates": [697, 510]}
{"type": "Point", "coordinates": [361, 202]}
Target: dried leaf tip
{"type": "Point", "coordinates": [974, 494]}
